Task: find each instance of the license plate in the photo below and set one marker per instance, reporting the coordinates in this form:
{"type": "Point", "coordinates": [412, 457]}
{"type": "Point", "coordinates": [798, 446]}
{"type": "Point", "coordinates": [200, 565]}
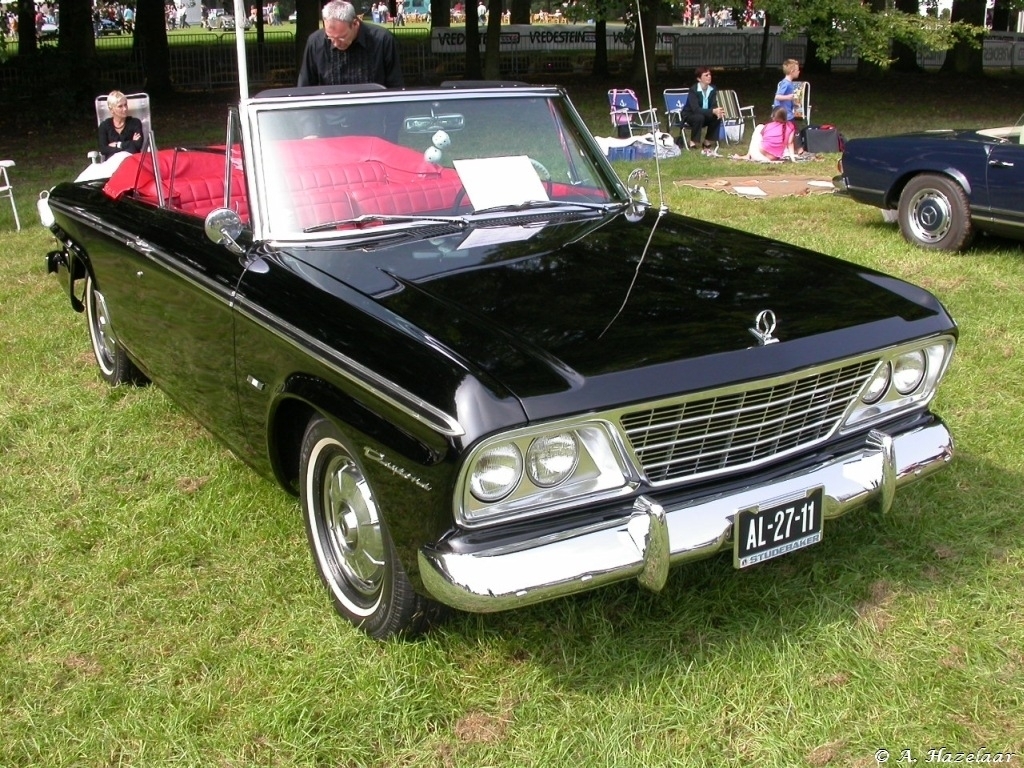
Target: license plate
{"type": "Point", "coordinates": [761, 533]}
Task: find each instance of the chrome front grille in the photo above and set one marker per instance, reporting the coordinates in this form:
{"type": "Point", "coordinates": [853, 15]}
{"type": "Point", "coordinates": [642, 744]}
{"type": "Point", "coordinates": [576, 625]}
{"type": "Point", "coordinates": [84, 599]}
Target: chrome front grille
{"type": "Point", "coordinates": [731, 429]}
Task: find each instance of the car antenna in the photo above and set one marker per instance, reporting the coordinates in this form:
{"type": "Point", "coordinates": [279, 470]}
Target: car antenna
{"type": "Point", "coordinates": [243, 67]}
{"type": "Point", "coordinates": [662, 208]}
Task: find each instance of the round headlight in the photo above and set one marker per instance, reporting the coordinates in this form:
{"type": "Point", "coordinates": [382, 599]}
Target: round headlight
{"type": "Point", "coordinates": [497, 472]}
{"type": "Point", "coordinates": [908, 371]}
{"type": "Point", "coordinates": [877, 386]}
{"type": "Point", "coordinates": [552, 458]}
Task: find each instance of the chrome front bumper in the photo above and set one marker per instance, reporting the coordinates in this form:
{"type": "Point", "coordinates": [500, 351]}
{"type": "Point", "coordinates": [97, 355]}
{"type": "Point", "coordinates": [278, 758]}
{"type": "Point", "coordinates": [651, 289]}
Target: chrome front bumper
{"type": "Point", "coordinates": [647, 539]}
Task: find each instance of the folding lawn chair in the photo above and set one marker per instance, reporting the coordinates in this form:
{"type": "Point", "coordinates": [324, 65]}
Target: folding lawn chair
{"type": "Point", "coordinates": [627, 117]}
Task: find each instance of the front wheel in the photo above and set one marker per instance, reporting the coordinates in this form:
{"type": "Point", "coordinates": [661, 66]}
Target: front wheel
{"type": "Point", "coordinates": [934, 213]}
{"type": "Point", "coordinates": [353, 552]}
{"type": "Point", "coordinates": [114, 364]}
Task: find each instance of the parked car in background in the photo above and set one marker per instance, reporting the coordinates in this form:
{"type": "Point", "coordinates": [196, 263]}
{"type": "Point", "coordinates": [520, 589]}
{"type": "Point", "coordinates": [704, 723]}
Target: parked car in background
{"type": "Point", "coordinates": [489, 394]}
{"type": "Point", "coordinates": [942, 186]}
{"type": "Point", "coordinates": [108, 27]}
{"type": "Point", "coordinates": [222, 22]}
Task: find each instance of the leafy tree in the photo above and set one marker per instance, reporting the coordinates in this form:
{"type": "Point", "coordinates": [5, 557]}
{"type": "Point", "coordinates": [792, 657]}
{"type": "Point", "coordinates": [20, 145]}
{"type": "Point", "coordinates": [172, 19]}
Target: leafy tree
{"type": "Point", "coordinates": [600, 11]}
{"type": "Point", "coordinates": [835, 26]}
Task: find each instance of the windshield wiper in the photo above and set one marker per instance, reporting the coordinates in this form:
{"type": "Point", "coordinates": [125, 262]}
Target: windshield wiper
{"type": "Point", "coordinates": [530, 205]}
{"type": "Point", "coordinates": [360, 222]}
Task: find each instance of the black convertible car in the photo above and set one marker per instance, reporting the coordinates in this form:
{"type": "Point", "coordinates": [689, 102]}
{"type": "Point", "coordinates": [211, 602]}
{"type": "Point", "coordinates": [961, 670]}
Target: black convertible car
{"type": "Point", "coordinates": [493, 372]}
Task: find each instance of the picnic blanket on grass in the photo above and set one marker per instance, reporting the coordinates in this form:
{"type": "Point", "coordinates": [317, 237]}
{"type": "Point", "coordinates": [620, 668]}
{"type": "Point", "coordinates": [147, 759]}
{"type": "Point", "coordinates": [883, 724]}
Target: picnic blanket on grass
{"type": "Point", "coordinates": [763, 186]}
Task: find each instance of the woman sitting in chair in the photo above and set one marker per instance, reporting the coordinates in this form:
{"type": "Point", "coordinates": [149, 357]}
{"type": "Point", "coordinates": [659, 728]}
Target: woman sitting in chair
{"type": "Point", "coordinates": [120, 132]}
{"type": "Point", "coordinates": [702, 111]}
{"type": "Point", "coordinates": [773, 141]}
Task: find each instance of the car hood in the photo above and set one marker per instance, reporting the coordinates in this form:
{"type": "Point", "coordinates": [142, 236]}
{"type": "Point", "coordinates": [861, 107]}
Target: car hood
{"type": "Point", "coordinates": [576, 307]}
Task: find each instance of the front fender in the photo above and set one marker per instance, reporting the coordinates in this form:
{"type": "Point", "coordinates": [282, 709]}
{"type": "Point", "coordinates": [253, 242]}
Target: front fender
{"type": "Point", "coordinates": [411, 470]}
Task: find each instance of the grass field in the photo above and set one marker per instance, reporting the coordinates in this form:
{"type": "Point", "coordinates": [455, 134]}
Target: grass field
{"type": "Point", "coordinates": [158, 606]}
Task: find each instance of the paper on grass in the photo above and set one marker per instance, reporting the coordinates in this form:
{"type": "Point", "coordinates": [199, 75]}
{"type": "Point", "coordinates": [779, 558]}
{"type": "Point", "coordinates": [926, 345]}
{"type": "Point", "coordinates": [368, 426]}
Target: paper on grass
{"type": "Point", "coordinates": [750, 191]}
{"type": "Point", "coordinates": [492, 181]}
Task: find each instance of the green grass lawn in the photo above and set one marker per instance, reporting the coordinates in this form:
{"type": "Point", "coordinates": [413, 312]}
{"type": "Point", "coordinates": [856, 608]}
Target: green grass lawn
{"type": "Point", "coordinates": [159, 607]}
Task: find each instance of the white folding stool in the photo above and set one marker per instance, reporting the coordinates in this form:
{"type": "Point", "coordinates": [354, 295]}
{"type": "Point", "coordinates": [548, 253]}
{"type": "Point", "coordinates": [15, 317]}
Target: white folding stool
{"type": "Point", "coordinates": [6, 190]}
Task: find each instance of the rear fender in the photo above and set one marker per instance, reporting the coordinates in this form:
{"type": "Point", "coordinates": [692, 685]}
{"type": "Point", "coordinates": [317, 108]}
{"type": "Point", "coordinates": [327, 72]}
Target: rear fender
{"type": "Point", "coordinates": [892, 197]}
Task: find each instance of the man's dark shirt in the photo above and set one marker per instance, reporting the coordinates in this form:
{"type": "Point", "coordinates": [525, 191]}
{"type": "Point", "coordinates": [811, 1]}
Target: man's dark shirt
{"type": "Point", "coordinates": [372, 58]}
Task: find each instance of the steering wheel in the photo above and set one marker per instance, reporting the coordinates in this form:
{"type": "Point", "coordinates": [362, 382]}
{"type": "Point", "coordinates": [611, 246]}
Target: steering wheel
{"type": "Point", "coordinates": [544, 174]}
{"type": "Point", "coordinates": [458, 200]}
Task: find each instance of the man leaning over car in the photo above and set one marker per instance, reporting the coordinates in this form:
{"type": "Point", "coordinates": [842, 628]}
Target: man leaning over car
{"type": "Point", "coordinates": [346, 51]}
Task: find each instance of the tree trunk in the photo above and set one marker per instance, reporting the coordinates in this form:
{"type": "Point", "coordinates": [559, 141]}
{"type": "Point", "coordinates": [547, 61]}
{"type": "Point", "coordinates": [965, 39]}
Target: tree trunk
{"type": "Point", "coordinates": [473, 68]}
{"type": "Point", "coordinates": [520, 10]}
{"type": "Point", "coordinates": [765, 41]}
{"type": "Point", "coordinates": [78, 45]}
{"type": "Point", "coordinates": [647, 30]}
{"type": "Point", "coordinates": [440, 14]}
{"type": "Point", "coordinates": [307, 21]}
{"type": "Point", "coordinates": [492, 54]}
{"type": "Point", "coordinates": [1002, 15]}
{"type": "Point", "coordinates": [905, 55]}
{"type": "Point", "coordinates": [150, 46]}
{"type": "Point", "coordinates": [27, 45]}
{"type": "Point", "coordinates": [600, 48]}
{"type": "Point", "coordinates": [963, 58]}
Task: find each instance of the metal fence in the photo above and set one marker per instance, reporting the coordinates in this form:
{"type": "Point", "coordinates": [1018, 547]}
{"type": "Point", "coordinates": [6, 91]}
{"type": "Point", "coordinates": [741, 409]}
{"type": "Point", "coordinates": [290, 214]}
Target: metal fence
{"type": "Point", "coordinates": [206, 60]}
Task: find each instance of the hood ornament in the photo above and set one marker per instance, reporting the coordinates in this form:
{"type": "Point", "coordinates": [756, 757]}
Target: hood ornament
{"type": "Point", "coordinates": [764, 327]}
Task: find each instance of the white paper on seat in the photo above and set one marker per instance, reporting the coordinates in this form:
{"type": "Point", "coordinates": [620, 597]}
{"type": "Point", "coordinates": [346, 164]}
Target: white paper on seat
{"type": "Point", "coordinates": [493, 181]}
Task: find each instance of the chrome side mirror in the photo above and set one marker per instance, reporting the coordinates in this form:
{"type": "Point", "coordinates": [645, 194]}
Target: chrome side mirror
{"type": "Point", "coordinates": [224, 226]}
{"type": "Point", "coordinates": [638, 201]}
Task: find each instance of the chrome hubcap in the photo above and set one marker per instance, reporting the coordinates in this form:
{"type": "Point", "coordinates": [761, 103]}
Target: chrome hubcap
{"type": "Point", "coordinates": [106, 341]}
{"type": "Point", "coordinates": [931, 216]}
{"type": "Point", "coordinates": [352, 527]}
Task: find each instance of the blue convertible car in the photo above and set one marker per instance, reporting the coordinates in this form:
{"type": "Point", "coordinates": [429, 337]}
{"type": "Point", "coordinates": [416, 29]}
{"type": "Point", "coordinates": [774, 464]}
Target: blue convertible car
{"type": "Point", "coordinates": [943, 185]}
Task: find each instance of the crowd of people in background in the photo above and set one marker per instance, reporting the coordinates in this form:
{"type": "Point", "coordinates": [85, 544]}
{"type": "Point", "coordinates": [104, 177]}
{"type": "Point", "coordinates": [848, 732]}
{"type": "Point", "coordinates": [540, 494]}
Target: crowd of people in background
{"type": "Point", "coordinates": [696, 15]}
{"type": "Point", "coordinates": [178, 16]}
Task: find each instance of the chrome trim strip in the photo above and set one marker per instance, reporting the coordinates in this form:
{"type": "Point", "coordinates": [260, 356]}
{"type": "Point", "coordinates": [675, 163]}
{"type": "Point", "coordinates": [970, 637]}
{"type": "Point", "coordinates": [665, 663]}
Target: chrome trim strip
{"type": "Point", "coordinates": [399, 398]}
{"type": "Point", "coordinates": [583, 558]}
{"type": "Point", "coordinates": [348, 368]}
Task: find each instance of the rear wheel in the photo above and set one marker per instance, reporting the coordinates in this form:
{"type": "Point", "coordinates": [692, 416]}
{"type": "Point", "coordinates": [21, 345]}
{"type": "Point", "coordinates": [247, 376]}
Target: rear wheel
{"type": "Point", "coordinates": [114, 363]}
{"type": "Point", "coordinates": [934, 213]}
{"type": "Point", "coordinates": [353, 552]}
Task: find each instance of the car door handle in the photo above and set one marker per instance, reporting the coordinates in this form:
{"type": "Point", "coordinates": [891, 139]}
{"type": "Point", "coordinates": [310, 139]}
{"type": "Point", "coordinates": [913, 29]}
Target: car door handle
{"type": "Point", "coordinates": [1000, 163]}
{"type": "Point", "coordinates": [140, 245]}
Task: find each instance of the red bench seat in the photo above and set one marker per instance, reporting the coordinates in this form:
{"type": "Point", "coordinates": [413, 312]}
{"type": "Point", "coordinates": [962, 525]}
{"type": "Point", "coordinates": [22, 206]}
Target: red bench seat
{"type": "Point", "coordinates": [328, 179]}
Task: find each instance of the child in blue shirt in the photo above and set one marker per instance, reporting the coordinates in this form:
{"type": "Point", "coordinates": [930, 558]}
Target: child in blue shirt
{"type": "Point", "coordinates": [786, 93]}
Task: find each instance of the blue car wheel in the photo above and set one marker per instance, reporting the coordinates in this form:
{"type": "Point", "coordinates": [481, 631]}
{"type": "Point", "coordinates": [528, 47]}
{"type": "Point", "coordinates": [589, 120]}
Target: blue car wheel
{"type": "Point", "coordinates": [934, 213]}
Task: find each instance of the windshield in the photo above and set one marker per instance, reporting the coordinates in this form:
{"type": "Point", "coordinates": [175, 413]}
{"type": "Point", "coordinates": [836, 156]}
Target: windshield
{"type": "Point", "coordinates": [342, 164]}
